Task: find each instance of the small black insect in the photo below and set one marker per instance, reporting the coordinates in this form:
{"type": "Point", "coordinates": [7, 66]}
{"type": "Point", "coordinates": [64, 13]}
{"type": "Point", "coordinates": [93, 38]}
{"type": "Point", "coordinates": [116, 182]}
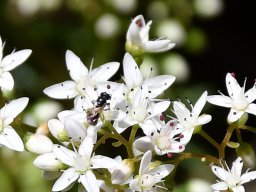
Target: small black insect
{"type": "Point", "coordinates": [93, 114]}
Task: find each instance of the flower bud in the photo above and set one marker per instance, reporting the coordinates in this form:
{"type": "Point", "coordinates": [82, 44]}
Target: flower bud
{"type": "Point", "coordinates": [38, 143]}
{"type": "Point", "coordinates": [122, 172]}
{"type": "Point", "coordinates": [48, 162]}
{"type": "Point", "coordinates": [246, 152]}
{"type": "Point", "coordinates": [57, 129]}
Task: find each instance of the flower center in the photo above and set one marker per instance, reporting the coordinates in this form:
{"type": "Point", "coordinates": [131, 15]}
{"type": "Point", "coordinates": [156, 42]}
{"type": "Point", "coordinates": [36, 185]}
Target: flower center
{"type": "Point", "coordinates": [81, 164]}
{"type": "Point", "coordinates": [240, 103]}
{"type": "Point", "coordinates": [147, 181]}
{"type": "Point", "coordinates": [233, 180]}
{"type": "Point", "coordinates": [81, 86]}
{"type": "Point", "coordinates": [163, 142]}
{"type": "Point", "coordinates": [139, 113]}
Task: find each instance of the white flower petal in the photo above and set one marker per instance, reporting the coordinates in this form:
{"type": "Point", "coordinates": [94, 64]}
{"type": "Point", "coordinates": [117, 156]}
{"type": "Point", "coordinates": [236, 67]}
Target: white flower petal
{"type": "Point", "coordinates": [156, 85]}
{"type": "Point", "coordinates": [10, 139]}
{"type": "Point", "coordinates": [220, 186]}
{"type": "Point", "coordinates": [12, 109]}
{"type": "Point", "coordinates": [162, 170]}
{"type": "Point", "coordinates": [65, 155]}
{"type": "Point", "coordinates": [200, 104]}
{"type": "Point", "coordinates": [47, 162]}
{"type": "Point", "coordinates": [134, 185]}
{"type": "Point", "coordinates": [100, 161]}
{"type": "Point", "coordinates": [247, 177]}
{"type": "Point", "coordinates": [123, 124]}
{"type": "Point", "coordinates": [187, 135]}
{"type": "Point", "coordinates": [238, 189]}
{"type": "Point", "coordinates": [237, 166]}
{"type": "Point", "coordinates": [66, 179]}
{"type": "Point", "coordinates": [158, 45]}
{"type": "Point", "coordinates": [143, 144]}
{"type": "Point", "coordinates": [133, 32]}
{"type": "Point", "coordinates": [77, 69]}
{"type": "Point", "coordinates": [234, 115]}
{"type": "Point", "coordinates": [220, 172]}
{"type": "Point", "coordinates": [158, 108]}
{"type": "Point", "coordinates": [250, 95]}
{"type": "Point", "coordinates": [233, 87]}
{"type": "Point", "coordinates": [132, 75]}
{"type": "Point", "coordinates": [203, 119]}
{"type": "Point", "coordinates": [251, 108]}
{"type": "Point", "coordinates": [6, 81]}
{"type": "Point", "coordinates": [64, 90]}
{"type": "Point", "coordinates": [104, 72]}
{"type": "Point", "coordinates": [11, 61]}
{"type": "Point", "coordinates": [74, 128]}
{"type": "Point", "coordinates": [86, 147]}
{"type": "Point", "coordinates": [220, 100]}
{"type": "Point", "coordinates": [89, 182]}
{"type": "Point", "coordinates": [145, 161]}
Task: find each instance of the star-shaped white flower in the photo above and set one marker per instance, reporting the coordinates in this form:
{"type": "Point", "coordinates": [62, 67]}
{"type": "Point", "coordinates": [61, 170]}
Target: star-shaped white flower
{"type": "Point", "coordinates": [8, 136]}
{"type": "Point", "coordinates": [232, 179]}
{"type": "Point", "coordinates": [149, 174]}
{"type": "Point", "coordinates": [8, 63]}
{"type": "Point", "coordinates": [239, 101]}
{"type": "Point", "coordinates": [138, 35]}
{"type": "Point", "coordinates": [141, 112]}
{"type": "Point", "coordinates": [80, 166]}
{"type": "Point", "coordinates": [83, 81]}
{"type": "Point", "coordinates": [187, 119]}
{"type": "Point", "coordinates": [166, 140]}
{"type": "Point", "coordinates": [134, 80]}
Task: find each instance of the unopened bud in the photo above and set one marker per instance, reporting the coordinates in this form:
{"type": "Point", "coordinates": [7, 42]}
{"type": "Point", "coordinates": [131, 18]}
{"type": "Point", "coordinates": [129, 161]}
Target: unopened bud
{"type": "Point", "coordinates": [38, 143]}
{"type": "Point", "coordinates": [123, 171]}
{"type": "Point", "coordinates": [57, 129]}
{"type": "Point", "coordinates": [48, 162]}
{"type": "Point", "coordinates": [246, 152]}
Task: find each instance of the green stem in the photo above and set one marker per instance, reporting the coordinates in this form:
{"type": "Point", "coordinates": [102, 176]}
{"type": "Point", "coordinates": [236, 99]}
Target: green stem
{"type": "Point", "coordinates": [239, 137]}
{"type": "Point", "coordinates": [248, 128]}
{"type": "Point", "coordinates": [226, 139]}
{"type": "Point", "coordinates": [133, 133]}
{"type": "Point", "coordinates": [203, 158]}
{"type": "Point", "coordinates": [117, 136]}
{"type": "Point", "coordinates": [100, 141]}
{"type": "Point", "coordinates": [209, 139]}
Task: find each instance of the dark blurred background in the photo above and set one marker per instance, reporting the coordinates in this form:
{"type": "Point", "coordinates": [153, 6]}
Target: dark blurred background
{"type": "Point", "coordinates": [213, 37]}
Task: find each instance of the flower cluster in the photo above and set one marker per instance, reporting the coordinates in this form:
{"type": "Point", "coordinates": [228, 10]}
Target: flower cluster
{"type": "Point", "coordinates": [103, 110]}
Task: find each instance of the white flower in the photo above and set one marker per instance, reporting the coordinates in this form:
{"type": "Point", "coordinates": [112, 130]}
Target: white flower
{"type": "Point", "coordinates": [8, 136]}
{"type": "Point", "coordinates": [122, 173]}
{"type": "Point", "coordinates": [141, 112]}
{"type": "Point", "coordinates": [138, 35]}
{"type": "Point", "coordinates": [83, 81]}
{"type": "Point", "coordinates": [232, 179]}
{"type": "Point", "coordinates": [8, 63]}
{"type": "Point", "coordinates": [166, 140]}
{"type": "Point", "coordinates": [38, 143]}
{"type": "Point", "coordinates": [134, 80]}
{"type": "Point", "coordinates": [149, 175]}
{"type": "Point", "coordinates": [80, 166]}
{"type": "Point", "coordinates": [239, 101]}
{"type": "Point", "coordinates": [187, 119]}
